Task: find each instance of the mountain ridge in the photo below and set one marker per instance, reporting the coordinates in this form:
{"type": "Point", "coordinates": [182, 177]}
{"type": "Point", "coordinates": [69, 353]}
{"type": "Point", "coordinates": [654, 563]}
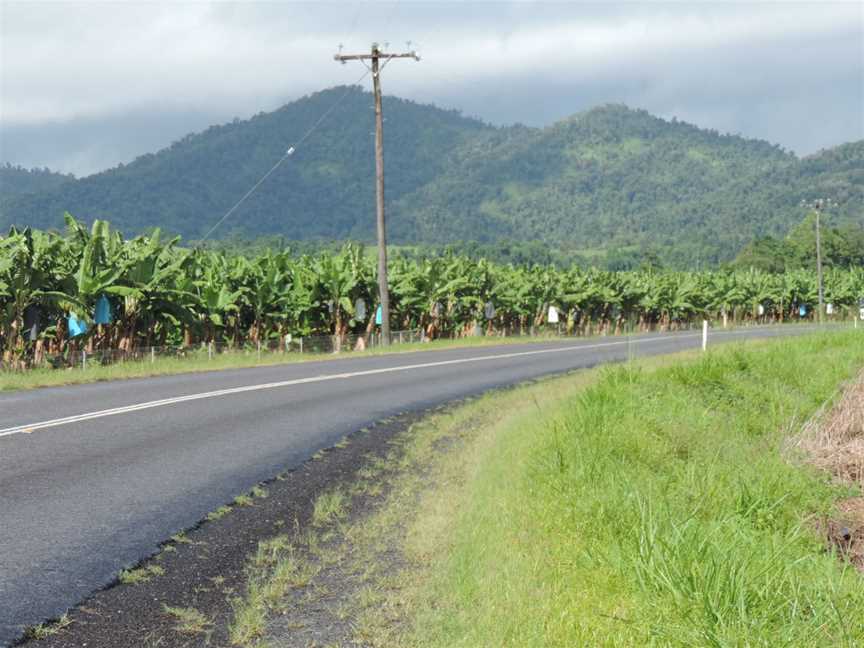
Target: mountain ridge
{"type": "Point", "coordinates": [611, 176]}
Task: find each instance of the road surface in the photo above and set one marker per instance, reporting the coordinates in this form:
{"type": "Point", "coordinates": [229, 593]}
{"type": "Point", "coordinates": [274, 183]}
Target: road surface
{"type": "Point", "coordinates": [94, 477]}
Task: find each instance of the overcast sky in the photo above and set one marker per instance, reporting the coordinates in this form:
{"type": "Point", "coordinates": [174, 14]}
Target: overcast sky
{"type": "Point", "coordinates": [84, 86]}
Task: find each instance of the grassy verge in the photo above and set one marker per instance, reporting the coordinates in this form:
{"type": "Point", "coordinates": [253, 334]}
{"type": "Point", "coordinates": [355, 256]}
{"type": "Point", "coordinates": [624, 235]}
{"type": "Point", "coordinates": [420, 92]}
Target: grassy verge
{"type": "Point", "coordinates": [653, 507]}
{"type": "Point", "coordinates": [45, 377]}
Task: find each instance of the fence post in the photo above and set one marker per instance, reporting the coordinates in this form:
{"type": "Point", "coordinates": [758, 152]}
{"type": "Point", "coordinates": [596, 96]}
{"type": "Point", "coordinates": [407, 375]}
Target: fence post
{"type": "Point", "coordinates": [704, 335]}
{"type": "Point", "coordinates": [83, 359]}
{"type": "Point", "coordinates": [152, 355]}
{"type": "Point", "coordinates": [259, 350]}
{"type": "Point", "coordinates": [629, 342]}
{"type": "Point", "coordinates": [209, 350]}
{"type": "Point", "coordinates": [301, 345]}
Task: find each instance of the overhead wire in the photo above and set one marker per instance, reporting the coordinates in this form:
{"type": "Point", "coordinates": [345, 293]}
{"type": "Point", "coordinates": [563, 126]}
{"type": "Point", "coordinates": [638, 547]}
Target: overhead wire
{"type": "Point", "coordinates": [395, 8]}
{"type": "Point", "coordinates": [291, 149]}
{"type": "Point", "coordinates": [289, 152]}
{"type": "Point", "coordinates": [353, 28]}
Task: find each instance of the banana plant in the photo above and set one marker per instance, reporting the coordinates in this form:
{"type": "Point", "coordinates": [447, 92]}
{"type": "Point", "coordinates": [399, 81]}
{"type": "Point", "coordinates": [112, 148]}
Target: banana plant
{"type": "Point", "coordinates": [216, 300]}
{"type": "Point", "coordinates": [163, 293]}
{"type": "Point", "coordinates": [28, 279]}
{"type": "Point", "coordinates": [344, 278]}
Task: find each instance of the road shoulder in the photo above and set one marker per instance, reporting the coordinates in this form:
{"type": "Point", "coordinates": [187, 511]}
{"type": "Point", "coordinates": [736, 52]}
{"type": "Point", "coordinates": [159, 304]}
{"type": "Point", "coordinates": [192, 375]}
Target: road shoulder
{"type": "Point", "coordinates": [186, 594]}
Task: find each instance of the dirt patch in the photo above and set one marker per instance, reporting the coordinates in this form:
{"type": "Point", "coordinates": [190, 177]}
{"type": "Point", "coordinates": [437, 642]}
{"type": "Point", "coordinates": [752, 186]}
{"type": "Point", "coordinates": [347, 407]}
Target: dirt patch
{"type": "Point", "coordinates": [186, 594]}
{"type": "Point", "coordinates": [834, 441]}
{"type": "Point", "coordinates": [846, 531]}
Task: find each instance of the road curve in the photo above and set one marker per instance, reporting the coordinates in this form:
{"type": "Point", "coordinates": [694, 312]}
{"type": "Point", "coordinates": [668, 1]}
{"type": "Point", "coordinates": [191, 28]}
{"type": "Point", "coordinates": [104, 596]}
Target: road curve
{"type": "Point", "coordinates": [93, 477]}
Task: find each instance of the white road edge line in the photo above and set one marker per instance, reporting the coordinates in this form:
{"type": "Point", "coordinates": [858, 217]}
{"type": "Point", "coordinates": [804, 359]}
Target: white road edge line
{"type": "Point", "coordinates": [31, 427]}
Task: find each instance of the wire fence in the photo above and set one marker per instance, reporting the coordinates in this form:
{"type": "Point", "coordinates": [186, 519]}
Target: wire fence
{"type": "Point", "coordinates": [265, 350]}
{"type": "Point", "coordinates": [280, 349]}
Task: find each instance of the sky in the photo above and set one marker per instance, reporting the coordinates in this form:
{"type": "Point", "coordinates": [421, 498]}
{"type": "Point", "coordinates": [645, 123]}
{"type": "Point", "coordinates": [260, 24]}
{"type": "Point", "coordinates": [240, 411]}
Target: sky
{"type": "Point", "coordinates": [88, 85]}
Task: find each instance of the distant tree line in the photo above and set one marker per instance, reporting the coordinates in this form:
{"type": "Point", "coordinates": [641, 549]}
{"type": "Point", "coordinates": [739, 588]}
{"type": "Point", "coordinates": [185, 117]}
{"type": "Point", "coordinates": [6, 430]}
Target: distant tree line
{"type": "Point", "coordinates": [842, 247]}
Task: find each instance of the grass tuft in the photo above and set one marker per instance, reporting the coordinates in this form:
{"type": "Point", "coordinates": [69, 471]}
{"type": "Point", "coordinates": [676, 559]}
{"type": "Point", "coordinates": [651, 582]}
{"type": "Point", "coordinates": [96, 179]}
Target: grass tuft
{"type": "Point", "coordinates": [250, 617]}
{"type": "Point", "coordinates": [189, 620]}
{"type": "Point", "coordinates": [329, 507]}
{"type": "Point", "coordinates": [219, 513]}
{"type": "Point", "coordinates": [272, 572]}
{"type": "Point", "coordinates": [45, 630]}
{"type": "Point", "coordinates": [140, 574]}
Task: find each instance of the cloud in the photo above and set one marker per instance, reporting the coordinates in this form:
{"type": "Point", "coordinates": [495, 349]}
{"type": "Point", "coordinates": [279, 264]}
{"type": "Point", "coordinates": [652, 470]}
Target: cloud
{"type": "Point", "coordinates": [792, 73]}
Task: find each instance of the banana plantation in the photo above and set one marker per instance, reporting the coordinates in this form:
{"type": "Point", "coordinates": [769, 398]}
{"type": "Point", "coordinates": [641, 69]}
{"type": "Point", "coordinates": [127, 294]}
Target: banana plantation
{"type": "Point", "coordinates": [91, 289]}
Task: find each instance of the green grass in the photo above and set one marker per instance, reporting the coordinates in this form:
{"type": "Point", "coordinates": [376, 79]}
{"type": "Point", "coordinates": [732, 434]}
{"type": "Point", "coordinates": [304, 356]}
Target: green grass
{"type": "Point", "coordinates": [246, 499]}
{"type": "Point", "coordinates": [653, 507]}
{"type": "Point", "coordinates": [329, 507]}
{"type": "Point", "coordinates": [189, 620]}
{"type": "Point", "coordinates": [140, 575]}
{"type": "Point", "coordinates": [45, 630]}
{"type": "Point", "coordinates": [647, 504]}
{"type": "Point", "coordinates": [250, 618]}
{"type": "Point", "coordinates": [272, 571]}
{"type": "Point", "coordinates": [219, 513]}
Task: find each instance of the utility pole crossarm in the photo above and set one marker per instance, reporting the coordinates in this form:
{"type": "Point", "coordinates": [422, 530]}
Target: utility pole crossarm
{"type": "Point", "coordinates": [360, 57]}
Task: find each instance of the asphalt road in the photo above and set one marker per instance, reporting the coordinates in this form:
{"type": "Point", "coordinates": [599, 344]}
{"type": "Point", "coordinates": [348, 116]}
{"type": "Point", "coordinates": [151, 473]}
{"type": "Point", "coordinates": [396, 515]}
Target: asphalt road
{"type": "Point", "coordinates": [128, 464]}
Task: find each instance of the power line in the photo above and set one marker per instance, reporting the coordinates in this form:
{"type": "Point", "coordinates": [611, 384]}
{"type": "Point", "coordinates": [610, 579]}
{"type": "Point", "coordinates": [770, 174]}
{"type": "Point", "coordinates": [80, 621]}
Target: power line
{"type": "Point", "coordinates": [285, 156]}
{"type": "Point", "coordinates": [248, 193]}
{"type": "Point", "coordinates": [394, 9]}
{"type": "Point", "coordinates": [360, 9]}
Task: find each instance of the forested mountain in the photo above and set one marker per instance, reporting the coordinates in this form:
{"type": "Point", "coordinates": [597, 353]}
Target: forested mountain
{"type": "Point", "coordinates": [16, 180]}
{"type": "Point", "coordinates": [614, 177]}
{"type": "Point", "coordinates": [610, 179]}
{"type": "Point", "coordinates": [324, 190]}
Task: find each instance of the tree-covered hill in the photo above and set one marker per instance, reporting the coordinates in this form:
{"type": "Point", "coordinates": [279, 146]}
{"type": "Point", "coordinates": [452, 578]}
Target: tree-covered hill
{"type": "Point", "coordinates": [611, 179]}
{"type": "Point", "coordinates": [324, 190]}
{"type": "Point", "coordinates": [614, 177]}
{"type": "Point", "coordinates": [16, 180]}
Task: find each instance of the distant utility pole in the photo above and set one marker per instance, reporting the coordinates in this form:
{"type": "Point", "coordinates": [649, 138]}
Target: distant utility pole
{"type": "Point", "coordinates": [817, 206]}
{"type": "Point", "coordinates": [375, 55]}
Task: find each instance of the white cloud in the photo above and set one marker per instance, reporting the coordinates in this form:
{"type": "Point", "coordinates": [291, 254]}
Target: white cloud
{"type": "Point", "coordinates": [68, 61]}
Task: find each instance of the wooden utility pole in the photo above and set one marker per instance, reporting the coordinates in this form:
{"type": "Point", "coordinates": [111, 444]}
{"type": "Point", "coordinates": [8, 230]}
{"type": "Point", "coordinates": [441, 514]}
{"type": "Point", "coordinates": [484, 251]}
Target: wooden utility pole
{"type": "Point", "coordinates": [374, 56]}
{"type": "Point", "coordinates": [817, 206]}
{"type": "Point", "coordinates": [819, 263]}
